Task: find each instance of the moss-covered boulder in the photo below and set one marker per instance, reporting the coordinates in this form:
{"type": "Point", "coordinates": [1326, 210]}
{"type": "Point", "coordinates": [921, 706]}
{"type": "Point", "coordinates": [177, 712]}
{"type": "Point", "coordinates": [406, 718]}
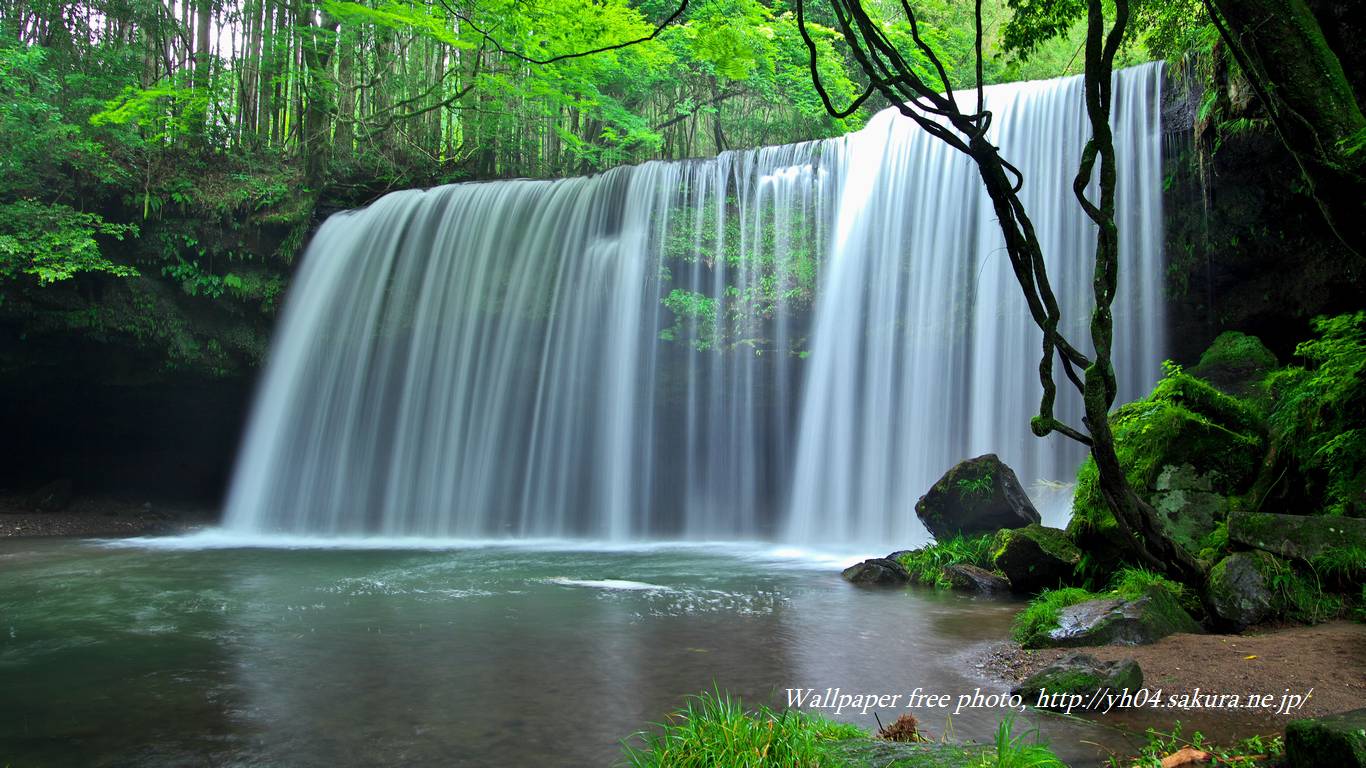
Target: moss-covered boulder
{"type": "Point", "coordinates": [1236, 363]}
{"type": "Point", "coordinates": [976, 496]}
{"type": "Point", "coordinates": [1338, 740]}
{"type": "Point", "coordinates": [1241, 589]}
{"type": "Point", "coordinates": [1119, 621]}
{"type": "Point", "coordinates": [1301, 537]}
{"type": "Point", "coordinates": [1189, 450]}
{"type": "Point", "coordinates": [878, 571]}
{"type": "Point", "coordinates": [970, 578]}
{"type": "Point", "coordinates": [1034, 558]}
{"type": "Point", "coordinates": [1078, 674]}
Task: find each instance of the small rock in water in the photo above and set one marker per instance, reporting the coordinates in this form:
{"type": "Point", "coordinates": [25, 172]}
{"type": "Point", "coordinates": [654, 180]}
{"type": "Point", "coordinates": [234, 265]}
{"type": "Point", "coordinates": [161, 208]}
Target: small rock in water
{"type": "Point", "coordinates": [878, 571]}
{"type": "Point", "coordinates": [973, 579]}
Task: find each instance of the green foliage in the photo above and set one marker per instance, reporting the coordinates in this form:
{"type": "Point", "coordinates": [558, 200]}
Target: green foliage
{"type": "Point", "coordinates": [979, 487]}
{"type": "Point", "coordinates": [1246, 753]}
{"type": "Point", "coordinates": [1319, 413]}
{"type": "Point", "coordinates": [926, 565]}
{"type": "Point", "coordinates": [1166, 28]}
{"type": "Point", "coordinates": [1041, 615]}
{"type": "Point", "coordinates": [1025, 750]}
{"type": "Point", "coordinates": [1133, 583]}
{"type": "Point", "coordinates": [1302, 598]}
{"type": "Point", "coordinates": [767, 265]}
{"type": "Point", "coordinates": [55, 242]}
{"type": "Point", "coordinates": [1346, 564]}
{"type": "Point", "coordinates": [713, 730]}
{"type": "Point", "coordinates": [694, 318]}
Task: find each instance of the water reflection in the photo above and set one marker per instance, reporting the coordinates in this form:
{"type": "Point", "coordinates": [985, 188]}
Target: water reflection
{"type": "Point", "coordinates": [473, 657]}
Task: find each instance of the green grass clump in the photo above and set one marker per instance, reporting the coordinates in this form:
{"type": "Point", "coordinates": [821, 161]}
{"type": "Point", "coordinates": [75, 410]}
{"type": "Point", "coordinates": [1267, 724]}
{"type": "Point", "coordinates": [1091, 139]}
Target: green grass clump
{"type": "Point", "coordinates": [1133, 583]}
{"type": "Point", "coordinates": [1247, 753]}
{"type": "Point", "coordinates": [1041, 615]}
{"type": "Point", "coordinates": [1022, 751]}
{"type": "Point", "coordinates": [1347, 564]}
{"type": "Point", "coordinates": [1302, 597]}
{"type": "Point", "coordinates": [713, 730]}
{"type": "Point", "coordinates": [926, 565]}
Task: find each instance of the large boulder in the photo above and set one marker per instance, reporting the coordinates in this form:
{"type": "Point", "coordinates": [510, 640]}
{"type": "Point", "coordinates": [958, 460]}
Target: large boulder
{"type": "Point", "coordinates": [1119, 621]}
{"type": "Point", "coordinates": [1337, 740]}
{"type": "Point", "coordinates": [1188, 450]}
{"type": "Point", "coordinates": [878, 571]}
{"type": "Point", "coordinates": [1301, 537]}
{"type": "Point", "coordinates": [1082, 675]}
{"type": "Point", "coordinates": [1240, 588]}
{"type": "Point", "coordinates": [1034, 558]}
{"type": "Point", "coordinates": [970, 578]}
{"type": "Point", "coordinates": [977, 496]}
{"type": "Point", "coordinates": [1188, 505]}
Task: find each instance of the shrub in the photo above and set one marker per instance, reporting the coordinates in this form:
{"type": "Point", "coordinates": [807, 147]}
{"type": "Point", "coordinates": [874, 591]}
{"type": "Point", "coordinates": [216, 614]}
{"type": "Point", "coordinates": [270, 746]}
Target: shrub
{"type": "Point", "coordinates": [1319, 413]}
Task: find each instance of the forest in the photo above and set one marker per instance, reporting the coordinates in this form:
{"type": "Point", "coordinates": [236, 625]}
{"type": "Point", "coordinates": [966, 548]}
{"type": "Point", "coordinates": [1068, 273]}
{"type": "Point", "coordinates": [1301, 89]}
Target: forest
{"type": "Point", "coordinates": [431, 382]}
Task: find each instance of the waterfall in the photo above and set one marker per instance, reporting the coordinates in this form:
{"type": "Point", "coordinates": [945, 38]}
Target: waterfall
{"type": "Point", "coordinates": [784, 343]}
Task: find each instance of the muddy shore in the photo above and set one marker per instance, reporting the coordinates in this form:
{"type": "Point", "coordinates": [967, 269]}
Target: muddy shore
{"type": "Point", "coordinates": [1329, 658]}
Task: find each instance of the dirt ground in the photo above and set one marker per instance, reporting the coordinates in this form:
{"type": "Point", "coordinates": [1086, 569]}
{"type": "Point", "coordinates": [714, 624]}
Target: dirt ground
{"type": "Point", "coordinates": [100, 517]}
{"type": "Point", "coordinates": [1329, 658]}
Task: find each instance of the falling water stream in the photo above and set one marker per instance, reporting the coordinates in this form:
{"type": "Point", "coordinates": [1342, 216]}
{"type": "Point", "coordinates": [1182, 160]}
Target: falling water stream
{"type": "Point", "coordinates": [788, 343]}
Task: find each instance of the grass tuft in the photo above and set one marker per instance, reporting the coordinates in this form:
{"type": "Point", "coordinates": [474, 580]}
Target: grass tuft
{"type": "Point", "coordinates": [926, 565]}
{"type": "Point", "coordinates": [1041, 615]}
{"type": "Point", "coordinates": [713, 730]}
{"type": "Point", "coordinates": [1025, 750]}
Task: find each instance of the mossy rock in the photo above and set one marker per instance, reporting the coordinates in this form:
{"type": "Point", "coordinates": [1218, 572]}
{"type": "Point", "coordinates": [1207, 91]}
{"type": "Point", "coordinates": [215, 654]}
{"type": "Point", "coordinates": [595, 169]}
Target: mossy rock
{"type": "Point", "coordinates": [1337, 740]}
{"type": "Point", "coordinates": [1034, 558]}
{"type": "Point", "coordinates": [1236, 363]}
{"type": "Point", "coordinates": [976, 496]}
{"type": "Point", "coordinates": [1241, 588]}
{"type": "Point", "coordinates": [970, 578]}
{"type": "Point", "coordinates": [1119, 621]}
{"type": "Point", "coordinates": [1189, 506]}
{"type": "Point", "coordinates": [1083, 675]}
{"type": "Point", "coordinates": [1300, 537]}
{"type": "Point", "coordinates": [878, 571]}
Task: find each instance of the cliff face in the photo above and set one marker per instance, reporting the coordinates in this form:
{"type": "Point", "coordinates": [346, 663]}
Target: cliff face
{"type": "Point", "coordinates": [1247, 248]}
